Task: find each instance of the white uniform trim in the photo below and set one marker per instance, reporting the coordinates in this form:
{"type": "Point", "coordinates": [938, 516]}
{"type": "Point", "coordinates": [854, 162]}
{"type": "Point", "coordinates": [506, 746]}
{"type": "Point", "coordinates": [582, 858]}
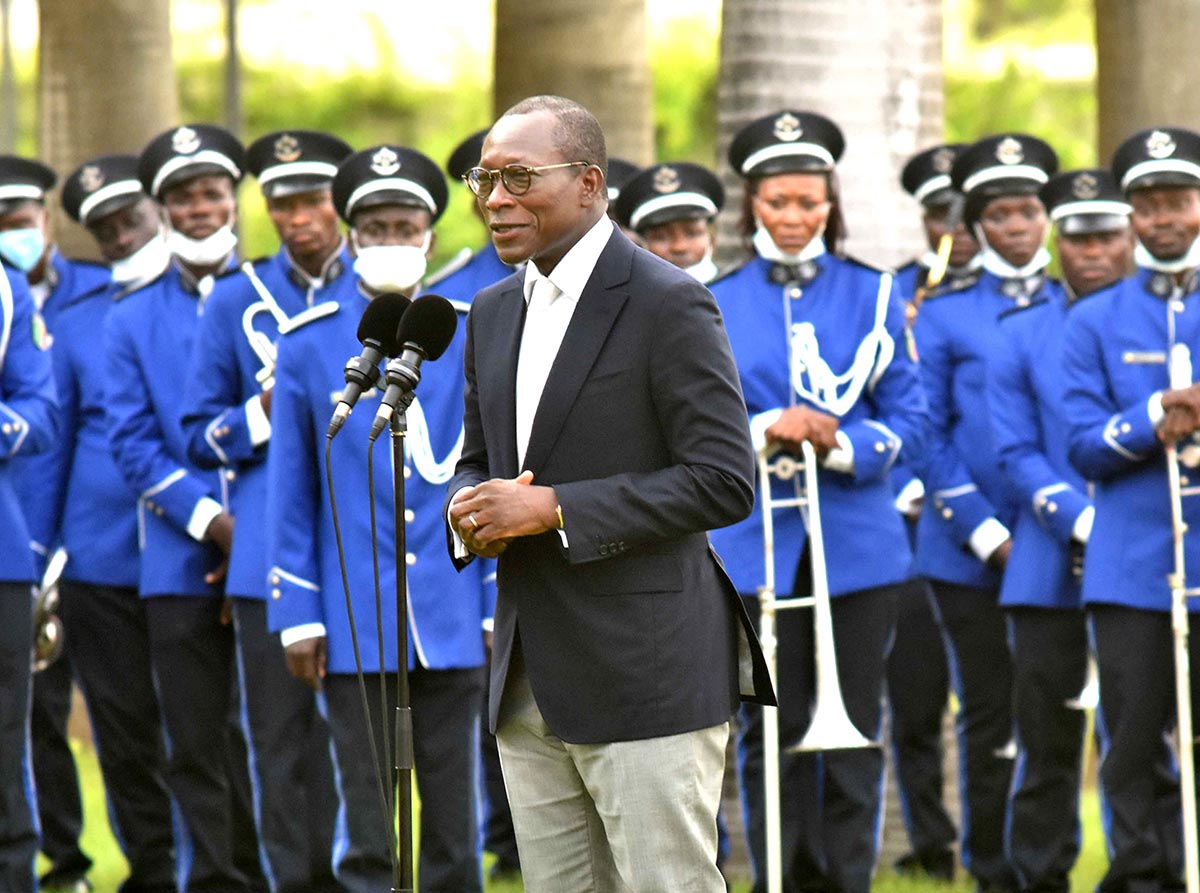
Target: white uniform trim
{"type": "Point", "coordinates": [1120, 209]}
{"type": "Point", "coordinates": [20, 428]}
{"type": "Point", "coordinates": [7, 309]}
{"type": "Point", "coordinates": [179, 162]}
{"type": "Point", "coordinates": [164, 483]}
{"type": "Point", "coordinates": [932, 185]}
{"type": "Point", "coordinates": [21, 190]}
{"type": "Point", "coordinates": [1005, 172]}
{"type": "Point", "coordinates": [1110, 438]}
{"type": "Point", "coordinates": [1160, 166]}
{"type": "Point", "coordinates": [318, 311]}
{"type": "Point", "coordinates": [785, 150]}
{"type": "Point", "coordinates": [297, 169]}
{"type": "Point", "coordinates": [398, 183]}
{"type": "Point", "coordinates": [674, 200]}
{"type": "Point", "coordinates": [211, 440]}
{"type": "Point", "coordinates": [294, 580]}
{"type": "Point", "coordinates": [1039, 498]}
{"type": "Point", "coordinates": [104, 193]}
{"type": "Point", "coordinates": [961, 490]}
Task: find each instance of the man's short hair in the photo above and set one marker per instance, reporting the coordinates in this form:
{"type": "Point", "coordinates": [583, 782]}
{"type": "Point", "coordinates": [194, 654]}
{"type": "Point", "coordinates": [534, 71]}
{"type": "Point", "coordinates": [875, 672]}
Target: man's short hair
{"type": "Point", "coordinates": [577, 134]}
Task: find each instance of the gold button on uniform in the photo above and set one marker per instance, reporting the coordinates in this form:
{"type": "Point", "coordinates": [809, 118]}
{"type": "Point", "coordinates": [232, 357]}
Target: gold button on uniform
{"type": "Point", "coordinates": [231, 475]}
{"type": "Point", "coordinates": [947, 514]}
{"type": "Point", "coordinates": [276, 594]}
{"type": "Point", "coordinates": [880, 446]}
{"type": "Point", "coordinates": [410, 559]}
{"type": "Point", "coordinates": [409, 515]}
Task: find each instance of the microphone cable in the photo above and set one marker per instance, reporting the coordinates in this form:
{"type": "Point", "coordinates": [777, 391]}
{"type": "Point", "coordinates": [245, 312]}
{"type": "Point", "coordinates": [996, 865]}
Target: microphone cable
{"type": "Point", "coordinates": [384, 799]}
{"type": "Point", "coordinates": [383, 706]}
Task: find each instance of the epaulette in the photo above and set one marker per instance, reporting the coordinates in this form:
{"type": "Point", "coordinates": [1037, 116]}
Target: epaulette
{"type": "Point", "coordinates": [870, 266]}
{"type": "Point", "coordinates": [126, 292]}
{"type": "Point", "coordinates": [98, 289]}
{"type": "Point", "coordinates": [1018, 308]}
{"type": "Point", "coordinates": [953, 287]}
{"type": "Point", "coordinates": [312, 314]}
{"type": "Point", "coordinates": [451, 267]}
{"type": "Point", "coordinates": [726, 273]}
{"type": "Point", "coordinates": [460, 306]}
{"type": "Point", "coordinates": [237, 268]}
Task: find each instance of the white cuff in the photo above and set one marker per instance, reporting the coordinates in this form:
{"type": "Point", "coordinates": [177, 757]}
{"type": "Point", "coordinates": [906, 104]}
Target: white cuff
{"type": "Point", "coordinates": [1154, 409]}
{"type": "Point", "coordinates": [759, 425]}
{"type": "Point", "coordinates": [460, 548]}
{"type": "Point", "coordinates": [841, 457]}
{"type": "Point", "coordinates": [987, 537]}
{"type": "Point", "coordinates": [202, 515]}
{"type": "Point", "coordinates": [910, 498]}
{"type": "Point", "coordinates": [257, 422]}
{"type": "Point", "coordinates": [1082, 528]}
{"type": "Point", "coordinates": [489, 624]}
{"type": "Point", "coordinates": [294, 634]}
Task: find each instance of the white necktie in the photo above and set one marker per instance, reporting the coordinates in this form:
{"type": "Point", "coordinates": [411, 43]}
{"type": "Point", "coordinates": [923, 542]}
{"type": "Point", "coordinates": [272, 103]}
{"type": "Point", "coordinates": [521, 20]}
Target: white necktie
{"type": "Point", "coordinates": [544, 329]}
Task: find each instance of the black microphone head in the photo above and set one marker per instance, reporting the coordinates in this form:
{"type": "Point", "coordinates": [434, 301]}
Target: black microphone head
{"type": "Point", "coordinates": [381, 320]}
{"type": "Point", "coordinates": [429, 323]}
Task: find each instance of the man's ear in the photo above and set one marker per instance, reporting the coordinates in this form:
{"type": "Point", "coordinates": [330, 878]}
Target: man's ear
{"type": "Point", "coordinates": [594, 187]}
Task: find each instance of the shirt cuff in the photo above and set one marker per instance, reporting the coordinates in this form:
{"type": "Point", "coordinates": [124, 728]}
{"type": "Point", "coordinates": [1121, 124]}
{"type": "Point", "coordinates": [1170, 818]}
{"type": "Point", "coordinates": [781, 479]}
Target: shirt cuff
{"type": "Point", "coordinates": [202, 515]}
{"type": "Point", "coordinates": [1082, 528]}
{"type": "Point", "coordinates": [489, 624]}
{"type": "Point", "coordinates": [1154, 409]}
{"type": "Point", "coordinates": [841, 457]}
{"type": "Point", "coordinates": [987, 537]}
{"type": "Point", "coordinates": [461, 551]}
{"type": "Point", "coordinates": [294, 634]}
{"type": "Point", "coordinates": [257, 422]}
{"type": "Point", "coordinates": [759, 425]}
{"type": "Point", "coordinates": [910, 498]}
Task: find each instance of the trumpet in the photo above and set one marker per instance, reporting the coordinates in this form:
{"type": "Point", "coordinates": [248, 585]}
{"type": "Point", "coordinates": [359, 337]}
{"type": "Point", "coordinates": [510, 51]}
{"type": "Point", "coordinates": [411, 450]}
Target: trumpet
{"type": "Point", "coordinates": [830, 727]}
{"type": "Point", "coordinates": [1181, 377]}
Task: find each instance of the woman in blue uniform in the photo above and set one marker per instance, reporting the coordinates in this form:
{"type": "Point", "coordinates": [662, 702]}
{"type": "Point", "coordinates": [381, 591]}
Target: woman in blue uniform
{"type": "Point", "coordinates": [819, 343]}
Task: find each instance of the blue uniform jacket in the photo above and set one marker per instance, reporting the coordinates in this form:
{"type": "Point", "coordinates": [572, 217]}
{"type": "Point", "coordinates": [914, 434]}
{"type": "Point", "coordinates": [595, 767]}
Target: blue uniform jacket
{"type": "Point", "coordinates": [1117, 345]}
{"type": "Point", "coordinates": [84, 503]}
{"type": "Point", "coordinates": [865, 542]}
{"type": "Point", "coordinates": [446, 609]}
{"type": "Point", "coordinates": [1025, 396]}
{"type": "Point", "coordinates": [231, 364]}
{"type": "Point", "coordinates": [148, 341]}
{"type": "Point", "coordinates": [468, 273]}
{"type": "Point", "coordinates": [956, 332]}
{"type": "Point", "coordinates": [28, 419]}
{"type": "Point", "coordinates": [72, 279]}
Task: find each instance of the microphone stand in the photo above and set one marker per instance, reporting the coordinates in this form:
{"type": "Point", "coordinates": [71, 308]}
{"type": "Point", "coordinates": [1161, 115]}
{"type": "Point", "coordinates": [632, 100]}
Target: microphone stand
{"type": "Point", "coordinates": [404, 727]}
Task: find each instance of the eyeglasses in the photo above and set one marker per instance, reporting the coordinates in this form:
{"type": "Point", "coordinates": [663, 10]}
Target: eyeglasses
{"type": "Point", "coordinates": [517, 178]}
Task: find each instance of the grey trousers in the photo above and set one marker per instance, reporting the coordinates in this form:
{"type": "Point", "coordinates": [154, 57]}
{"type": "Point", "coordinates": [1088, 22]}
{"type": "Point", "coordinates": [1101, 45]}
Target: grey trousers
{"type": "Point", "coordinates": [624, 817]}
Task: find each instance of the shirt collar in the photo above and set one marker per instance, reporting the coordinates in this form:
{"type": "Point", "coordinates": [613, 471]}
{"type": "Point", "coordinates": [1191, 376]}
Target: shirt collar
{"type": "Point", "coordinates": [330, 269]}
{"type": "Point", "coordinates": [570, 275]}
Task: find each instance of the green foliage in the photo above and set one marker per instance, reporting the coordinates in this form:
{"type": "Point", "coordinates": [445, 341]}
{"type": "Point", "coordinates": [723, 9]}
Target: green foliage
{"type": "Point", "coordinates": [684, 66]}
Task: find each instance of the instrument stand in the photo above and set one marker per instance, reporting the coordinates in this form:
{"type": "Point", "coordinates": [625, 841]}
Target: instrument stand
{"type": "Point", "coordinates": [404, 726]}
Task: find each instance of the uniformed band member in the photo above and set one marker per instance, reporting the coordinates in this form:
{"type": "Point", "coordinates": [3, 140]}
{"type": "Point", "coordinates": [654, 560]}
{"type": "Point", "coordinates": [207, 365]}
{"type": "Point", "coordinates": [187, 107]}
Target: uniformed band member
{"type": "Point", "coordinates": [1047, 634]}
{"type": "Point", "coordinates": [965, 533]}
{"type": "Point", "coordinates": [468, 273]}
{"type": "Point", "coordinates": [672, 207]}
{"type": "Point", "coordinates": [28, 425]}
{"type": "Point", "coordinates": [184, 525]}
{"type": "Point", "coordinates": [1122, 406]}
{"type": "Point", "coordinates": [818, 339]}
{"type": "Point", "coordinates": [227, 425]}
{"type": "Point", "coordinates": [918, 675]}
{"type": "Point", "coordinates": [619, 173]}
{"type": "Point", "coordinates": [54, 281]}
{"type": "Point", "coordinates": [84, 506]}
{"type": "Point", "coordinates": [390, 196]}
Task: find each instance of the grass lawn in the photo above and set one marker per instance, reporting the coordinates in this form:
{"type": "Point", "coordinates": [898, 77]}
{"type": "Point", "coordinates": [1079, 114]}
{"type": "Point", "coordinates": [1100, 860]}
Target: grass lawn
{"type": "Point", "coordinates": [110, 868]}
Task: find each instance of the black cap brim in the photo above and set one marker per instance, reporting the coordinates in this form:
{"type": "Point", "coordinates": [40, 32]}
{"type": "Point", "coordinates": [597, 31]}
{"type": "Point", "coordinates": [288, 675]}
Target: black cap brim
{"type": "Point", "coordinates": [670, 215]}
{"type": "Point", "coordinates": [193, 172]}
{"type": "Point", "coordinates": [285, 186]}
{"type": "Point", "coordinates": [1086, 224]}
{"type": "Point", "coordinates": [389, 197]}
{"type": "Point", "coordinates": [112, 206]}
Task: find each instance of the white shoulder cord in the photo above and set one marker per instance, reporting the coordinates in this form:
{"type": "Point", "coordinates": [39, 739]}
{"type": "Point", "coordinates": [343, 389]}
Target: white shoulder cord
{"type": "Point", "coordinates": [7, 309]}
{"type": "Point", "coordinates": [420, 449]}
{"type": "Point", "coordinates": [838, 393]}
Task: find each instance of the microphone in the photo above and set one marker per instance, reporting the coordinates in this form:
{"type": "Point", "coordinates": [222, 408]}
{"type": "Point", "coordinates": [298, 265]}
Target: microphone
{"type": "Point", "coordinates": [377, 331]}
{"type": "Point", "coordinates": [425, 331]}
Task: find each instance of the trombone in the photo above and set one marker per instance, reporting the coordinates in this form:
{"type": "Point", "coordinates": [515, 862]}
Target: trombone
{"type": "Point", "coordinates": [1181, 377]}
{"type": "Point", "coordinates": [830, 727]}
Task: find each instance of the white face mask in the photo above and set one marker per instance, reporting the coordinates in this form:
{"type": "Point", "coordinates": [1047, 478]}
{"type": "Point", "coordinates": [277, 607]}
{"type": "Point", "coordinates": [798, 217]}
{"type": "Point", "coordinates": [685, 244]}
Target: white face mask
{"type": "Point", "coordinates": [768, 250]}
{"type": "Point", "coordinates": [391, 268]}
{"type": "Point", "coordinates": [204, 252]}
{"type": "Point", "coordinates": [145, 263]}
{"type": "Point", "coordinates": [703, 270]}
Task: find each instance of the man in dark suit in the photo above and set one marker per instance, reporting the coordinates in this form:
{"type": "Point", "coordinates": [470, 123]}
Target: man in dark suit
{"type": "Point", "coordinates": [604, 374]}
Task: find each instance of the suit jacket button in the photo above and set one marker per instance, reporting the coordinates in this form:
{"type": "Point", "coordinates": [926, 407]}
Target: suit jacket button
{"type": "Point", "coordinates": [603, 549]}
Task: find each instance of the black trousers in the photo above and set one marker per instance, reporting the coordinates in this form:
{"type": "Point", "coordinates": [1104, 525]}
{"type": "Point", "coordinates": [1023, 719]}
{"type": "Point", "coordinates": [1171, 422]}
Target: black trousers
{"type": "Point", "coordinates": [1135, 651]}
{"type": "Point", "coordinates": [192, 652]}
{"type": "Point", "coordinates": [981, 671]}
{"type": "Point", "coordinates": [295, 797]}
{"type": "Point", "coordinates": [829, 801]}
{"type": "Point", "coordinates": [1049, 653]}
{"type": "Point", "coordinates": [108, 643]}
{"type": "Point", "coordinates": [445, 716]}
{"type": "Point", "coordinates": [499, 839]}
{"type": "Point", "coordinates": [18, 833]}
{"type": "Point", "coordinates": [60, 806]}
{"type": "Point", "coordinates": [918, 694]}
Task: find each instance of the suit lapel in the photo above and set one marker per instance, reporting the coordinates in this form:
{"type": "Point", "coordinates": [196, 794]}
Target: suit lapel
{"type": "Point", "coordinates": [501, 368]}
{"type": "Point", "coordinates": [598, 307]}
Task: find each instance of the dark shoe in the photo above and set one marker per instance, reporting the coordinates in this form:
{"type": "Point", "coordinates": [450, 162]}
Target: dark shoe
{"type": "Point", "coordinates": [504, 870]}
{"type": "Point", "coordinates": [937, 865]}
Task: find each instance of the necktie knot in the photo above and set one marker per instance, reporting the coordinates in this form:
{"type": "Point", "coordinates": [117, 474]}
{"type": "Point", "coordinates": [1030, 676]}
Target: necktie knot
{"type": "Point", "coordinates": [544, 294]}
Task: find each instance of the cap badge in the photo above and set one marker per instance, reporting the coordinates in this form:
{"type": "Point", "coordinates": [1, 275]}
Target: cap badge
{"type": "Point", "coordinates": [666, 179]}
{"type": "Point", "coordinates": [91, 178]}
{"type": "Point", "coordinates": [1010, 151]}
{"type": "Point", "coordinates": [185, 141]}
{"type": "Point", "coordinates": [787, 128]}
{"type": "Point", "coordinates": [385, 162]}
{"type": "Point", "coordinates": [287, 148]}
{"type": "Point", "coordinates": [943, 160]}
{"type": "Point", "coordinates": [1085, 187]}
{"type": "Point", "coordinates": [1160, 145]}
